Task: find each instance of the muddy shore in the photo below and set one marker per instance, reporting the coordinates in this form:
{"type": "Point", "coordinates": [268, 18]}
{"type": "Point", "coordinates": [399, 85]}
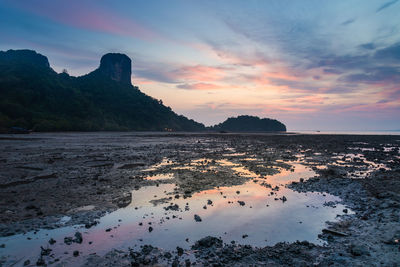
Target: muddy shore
{"type": "Point", "coordinates": [44, 177]}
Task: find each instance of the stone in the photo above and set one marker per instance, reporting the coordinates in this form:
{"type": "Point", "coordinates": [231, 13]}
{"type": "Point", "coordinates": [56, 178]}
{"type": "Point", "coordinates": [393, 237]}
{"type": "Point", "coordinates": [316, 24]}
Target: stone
{"type": "Point", "coordinates": [68, 240]}
{"type": "Point", "coordinates": [40, 262]}
{"type": "Point", "coordinates": [179, 250]}
{"type": "Point", "coordinates": [207, 242]}
{"type": "Point", "coordinates": [241, 203]}
{"type": "Point", "coordinates": [174, 207]}
{"type": "Point", "coordinates": [358, 250]}
{"type": "Point", "coordinates": [117, 67]}
{"type": "Point", "coordinates": [78, 238]}
{"type": "Point", "coordinates": [197, 218]}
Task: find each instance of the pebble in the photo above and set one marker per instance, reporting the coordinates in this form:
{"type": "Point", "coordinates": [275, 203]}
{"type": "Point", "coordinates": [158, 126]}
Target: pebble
{"type": "Point", "coordinates": [197, 218]}
{"type": "Point", "coordinates": [241, 203]}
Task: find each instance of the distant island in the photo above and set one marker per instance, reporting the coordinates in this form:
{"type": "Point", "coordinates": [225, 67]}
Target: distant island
{"type": "Point", "coordinates": [250, 124]}
{"type": "Point", "coordinates": [35, 97]}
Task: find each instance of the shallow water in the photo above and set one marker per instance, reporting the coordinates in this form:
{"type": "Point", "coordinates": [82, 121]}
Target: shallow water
{"type": "Point", "coordinates": [261, 217]}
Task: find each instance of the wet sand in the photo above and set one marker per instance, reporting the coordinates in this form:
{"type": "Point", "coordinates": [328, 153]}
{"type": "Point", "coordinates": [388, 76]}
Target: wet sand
{"type": "Point", "coordinates": [76, 180]}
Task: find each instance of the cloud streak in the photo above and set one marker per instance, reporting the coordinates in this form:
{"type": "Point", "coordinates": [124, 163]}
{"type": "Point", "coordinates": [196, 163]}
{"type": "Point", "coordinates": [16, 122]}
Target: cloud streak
{"type": "Point", "coordinates": [386, 5]}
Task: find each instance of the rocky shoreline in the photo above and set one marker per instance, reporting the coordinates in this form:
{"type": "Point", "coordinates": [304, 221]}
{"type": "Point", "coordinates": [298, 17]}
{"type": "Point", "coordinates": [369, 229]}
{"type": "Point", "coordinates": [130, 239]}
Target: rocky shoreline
{"type": "Point", "coordinates": [45, 177]}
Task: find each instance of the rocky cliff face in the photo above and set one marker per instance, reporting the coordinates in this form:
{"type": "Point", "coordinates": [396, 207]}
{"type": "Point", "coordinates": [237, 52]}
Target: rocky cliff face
{"type": "Point", "coordinates": [117, 67]}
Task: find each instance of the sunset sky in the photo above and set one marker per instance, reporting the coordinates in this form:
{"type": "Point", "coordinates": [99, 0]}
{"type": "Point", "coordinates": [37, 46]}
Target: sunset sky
{"type": "Point", "coordinates": [314, 65]}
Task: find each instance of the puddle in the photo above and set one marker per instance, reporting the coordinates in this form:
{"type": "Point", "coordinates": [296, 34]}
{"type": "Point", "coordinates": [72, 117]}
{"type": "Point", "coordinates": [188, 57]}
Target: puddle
{"type": "Point", "coordinates": [224, 162]}
{"type": "Point", "coordinates": [362, 148]}
{"type": "Point", "coordinates": [162, 176]}
{"type": "Point", "coordinates": [164, 162]}
{"type": "Point", "coordinates": [358, 171]}
{"type": "Point", "coordinates": [259, 212]}
{"type": "Point", "coordinates": [391, 149]}
{"type": "Point", "coordinates": [234, 154]}
{"type": "Point", "coordinates": [250, 159]}
{"type": "Point", "coordinates": [243, 171]}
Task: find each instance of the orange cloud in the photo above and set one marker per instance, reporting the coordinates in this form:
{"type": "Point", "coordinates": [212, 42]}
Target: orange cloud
{"type": "Point", "coordinates": [141, 81]}
{"type": "Point", "coordinates": [202, 86]}
{"type": "Point", "coordinates": [200, 73]}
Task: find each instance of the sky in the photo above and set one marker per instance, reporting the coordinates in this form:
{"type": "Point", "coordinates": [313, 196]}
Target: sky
{"type": "Point", "coordinates": [314, 65]}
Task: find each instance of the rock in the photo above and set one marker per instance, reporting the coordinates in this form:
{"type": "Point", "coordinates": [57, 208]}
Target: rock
{"type": "Point", "coordinates": [179, 250]}
{"type": "Point", "coordinates": [167, 255]}
{"type": "Point", "coordinates": [76, 253]}
{"type": "Point", "coordinates": [68, 240]}
{"type": "Point", "coordinates": [45, 251]}
{"type": "Point", "coordinates": [345, 210]}
{"type": "Point", "coordinates": [117, 67]}
{"type": "Point", "coordinates": [207, 242]}
{"type": "Point", "coordinates": [358, 250]}
{"type": "Point", "coordinates": [52, 241]}
{"type": "Point", "coordinates": [124, 201]}
{"type": "Point", "coordinates": [78, 238]}
{"type": "Point", "coordinates": [40, 262]}
{"type": "Point", "coordinates": [284, 199]}
{"type": "Point", "coordinates": [27, 262]}
{"type": "Point", "coordinates": [90, 224]}
{"type": "Point", "coordinates": [335, 259]}
{"type": "Point", "coordinates": [175, 263]}
{"type": "Point", "coordinates": [241, 203]}
{"type": "Point", "coordinates": [150, 229]}
{"type": "Point", "coordinates": [31, 207]}
{"type": "Point", "coordinates": [174, 207]}
{"type": "Point", "coordinates": [209, 202]}
{"type": "Point", "coordinates": [244, 236]}
{"type": "Point", "coordinates": [197, 218]}
{"type": "Point", "coordinates": [385, 205]}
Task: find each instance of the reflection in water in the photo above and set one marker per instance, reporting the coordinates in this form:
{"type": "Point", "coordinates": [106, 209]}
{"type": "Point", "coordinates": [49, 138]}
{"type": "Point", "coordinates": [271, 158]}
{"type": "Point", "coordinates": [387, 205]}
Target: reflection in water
{"type": "Point", "coordinates": [164, 162]}
{"type": "Point", "coordinates": [363, 169]}
{"type": "Point", "coordinates": [254, 210]}
{"type": "Point", "coordinates": [161, 176]}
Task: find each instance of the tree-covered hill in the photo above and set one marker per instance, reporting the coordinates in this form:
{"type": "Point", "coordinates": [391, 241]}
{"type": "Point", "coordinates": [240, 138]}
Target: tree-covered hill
{"type": "Point", "coordinates": [250, 124]}
{"type": "Point", "coordinates": [34, 96]}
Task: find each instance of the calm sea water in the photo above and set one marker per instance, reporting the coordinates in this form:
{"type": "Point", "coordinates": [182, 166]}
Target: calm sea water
{"type": "Point", "coordinates": [251, 213]}
{"type": "Point", "coordinates": [376, 132]}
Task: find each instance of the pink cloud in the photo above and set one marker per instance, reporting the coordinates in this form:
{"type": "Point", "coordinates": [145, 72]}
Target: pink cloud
{"type": "Point", "coordinates": [200, 73]}
{"type": "Point", "coordinates": [90, 17]}
{"type": "Point", "coordinates": [141, 81]}
{"type": "Point", "coordinates": [202, 86]}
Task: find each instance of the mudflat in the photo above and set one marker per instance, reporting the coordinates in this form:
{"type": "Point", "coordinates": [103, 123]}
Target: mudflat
{"type": "Point", "coordinates": [129, 199]}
